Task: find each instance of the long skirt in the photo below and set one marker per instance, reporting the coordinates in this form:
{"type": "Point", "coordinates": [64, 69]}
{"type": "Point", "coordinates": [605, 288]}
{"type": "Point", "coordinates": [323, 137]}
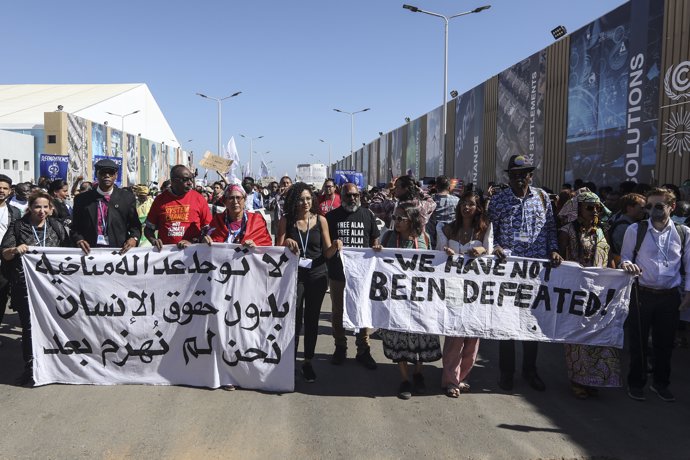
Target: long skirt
{"type": "Point", "coordinates": [413, 348]}
{"type": "Point", "coordinates": [593, 366]}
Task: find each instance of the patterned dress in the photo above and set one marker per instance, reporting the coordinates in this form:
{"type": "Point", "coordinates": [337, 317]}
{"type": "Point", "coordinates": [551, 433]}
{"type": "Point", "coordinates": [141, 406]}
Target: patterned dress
{"type": "Point", "coordinates": [590, 365]}
{"type": "Point", "coordinates": [408, 346]}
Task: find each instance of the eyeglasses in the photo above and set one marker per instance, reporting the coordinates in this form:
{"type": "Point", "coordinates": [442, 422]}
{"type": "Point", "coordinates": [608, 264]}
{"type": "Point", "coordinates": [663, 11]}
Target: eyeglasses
{"type": "Point", "coordinates": [400, 218]}
{"type": "Point", "coordinates": [660, 206]}
{"type": "Point", "coordinates": [107, 172]}
{"type": "Point", "coordinates": [517, 175]}
{"type": "Point", "coordinates": [184, 179]}
{"type": "Point", "coordinates": [352, 195]}
{"type": "Point", "coordinates": [592, 207]}
{"type": "Point", "coordinates": [234, 198]}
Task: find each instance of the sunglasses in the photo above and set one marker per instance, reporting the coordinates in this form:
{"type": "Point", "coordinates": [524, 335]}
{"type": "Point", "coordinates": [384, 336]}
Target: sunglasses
{"type": "Point", "coordinates": [660, 206]}
{"type": "Point", "coordinates": [400, 218]}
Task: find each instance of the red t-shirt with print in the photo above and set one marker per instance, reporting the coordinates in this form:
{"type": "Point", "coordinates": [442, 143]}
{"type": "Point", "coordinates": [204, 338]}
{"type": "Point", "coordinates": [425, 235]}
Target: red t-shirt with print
{"type": "Point", "coordinates": [179, 217]}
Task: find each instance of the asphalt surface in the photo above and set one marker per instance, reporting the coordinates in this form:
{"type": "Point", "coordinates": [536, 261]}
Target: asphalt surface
{"type": "Point", "coordinates": [349, 412]}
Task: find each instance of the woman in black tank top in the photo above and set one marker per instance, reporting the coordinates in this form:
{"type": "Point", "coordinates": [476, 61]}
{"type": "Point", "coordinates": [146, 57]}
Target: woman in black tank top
{"type": "Point", "coordinates": [305, 233]}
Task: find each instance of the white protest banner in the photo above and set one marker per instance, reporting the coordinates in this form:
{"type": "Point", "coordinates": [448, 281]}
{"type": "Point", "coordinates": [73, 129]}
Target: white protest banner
{"type": "Point", "coordinates": [524, 299]}
{"type": "Point", "coordinates": [203, 316]}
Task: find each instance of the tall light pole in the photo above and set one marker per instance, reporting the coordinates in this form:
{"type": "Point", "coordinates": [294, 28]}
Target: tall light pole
{"type": "Point", "coordinates": [251, 151]}
{"type": "Point", "coordinates": [219, 100]}
{"type": "Point", "coordinates": [352, 125]}
{"type": "Point", "coordinates": [446, 19]}
{"type": "Point", "coordinates": [329, 157]}
{"type": "Point", "coordinates": [122, 120]}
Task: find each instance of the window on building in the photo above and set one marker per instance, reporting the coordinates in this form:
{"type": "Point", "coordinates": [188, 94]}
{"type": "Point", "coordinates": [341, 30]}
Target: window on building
{"type": "Point", "coordinates": [52, 139]}
{"type": "Point", "coordinates": [27, 166]}
{"type": "Point", "coordinates": [15, 165]}
{"type": "Point", "coordinates": [6, 164]}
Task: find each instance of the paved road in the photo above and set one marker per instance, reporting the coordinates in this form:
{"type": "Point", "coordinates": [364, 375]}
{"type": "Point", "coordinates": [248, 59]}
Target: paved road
{"type": "Point", "coordinates": [349, 412]}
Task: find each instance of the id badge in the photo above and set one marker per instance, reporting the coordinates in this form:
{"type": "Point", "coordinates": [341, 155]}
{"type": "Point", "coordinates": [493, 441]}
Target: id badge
{"type": "Point", "coordinates": [102, 240]}
{"type": "Point", "coordinates": [304, 262]}
{"type": "Point", "coordinates": [665, 269]}
{"type": "Point", "coordinates": [522, 237]}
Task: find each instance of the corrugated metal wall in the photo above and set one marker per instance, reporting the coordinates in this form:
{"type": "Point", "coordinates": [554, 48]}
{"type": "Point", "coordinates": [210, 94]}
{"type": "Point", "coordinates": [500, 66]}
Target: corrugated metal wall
{"type": "Point", "coordinates": [555, 113]}
{"type": "Point", "coordinates": [488, 170]}
{"type": "Point", "coordinates": [673, 165]}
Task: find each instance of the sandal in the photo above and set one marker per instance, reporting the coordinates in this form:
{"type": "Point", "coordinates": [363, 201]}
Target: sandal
{"type": "Point", "coordinates": [464, 387]}
{"type": "Point", "coordinates": [453, 391]}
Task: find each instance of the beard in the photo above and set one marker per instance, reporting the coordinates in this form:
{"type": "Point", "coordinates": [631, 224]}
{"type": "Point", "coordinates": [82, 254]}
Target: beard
{"type": "Point", "coordinates": [350, 207]}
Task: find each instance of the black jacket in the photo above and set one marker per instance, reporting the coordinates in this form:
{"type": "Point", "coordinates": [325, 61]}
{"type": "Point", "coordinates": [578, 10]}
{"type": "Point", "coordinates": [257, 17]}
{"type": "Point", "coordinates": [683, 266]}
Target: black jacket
{"type": "Point", "coordinates": [122, 224]}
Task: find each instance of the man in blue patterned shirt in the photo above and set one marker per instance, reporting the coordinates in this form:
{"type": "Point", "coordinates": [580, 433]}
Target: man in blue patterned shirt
{"type": "Point", "coordinates": [524, 225]}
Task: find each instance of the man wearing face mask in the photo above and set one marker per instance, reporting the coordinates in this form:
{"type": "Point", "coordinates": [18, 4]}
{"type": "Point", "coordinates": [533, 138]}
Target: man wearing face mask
{"type": "Point", "coordinates": [656, 251]}
{"type": "Point", "coordinates": [524, 226]}
{"type": "Point", "coordinates": [355, 227]}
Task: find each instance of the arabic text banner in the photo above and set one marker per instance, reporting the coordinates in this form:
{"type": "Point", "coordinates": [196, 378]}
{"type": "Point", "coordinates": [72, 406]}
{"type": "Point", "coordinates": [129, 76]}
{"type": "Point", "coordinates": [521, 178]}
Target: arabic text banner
{"type": "Point", "coordinates": [204, 316]}
{"type": "Point", "coordinates": [524, 299]}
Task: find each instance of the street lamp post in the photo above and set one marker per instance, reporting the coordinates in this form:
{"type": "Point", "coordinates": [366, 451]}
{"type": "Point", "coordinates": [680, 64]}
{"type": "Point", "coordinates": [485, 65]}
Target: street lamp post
{"type": "Point", "coordinates": [446, 19]}
{"type": "Point", "coordinates": [251, 151]}
{"type": "Point", "coordinates": [219, 100]}
{"type": "Point", "coordinates": [122, 120]}
{"type": "Point", "coordinates": [329, 157]}
{"type": "Point", "coordinates": [352, 125]}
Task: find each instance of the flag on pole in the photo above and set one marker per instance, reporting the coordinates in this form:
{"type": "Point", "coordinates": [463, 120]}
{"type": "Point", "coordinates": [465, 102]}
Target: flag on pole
{"type": "Point", "coordinates": [264, 169]}
{"type": "Point", "coordinates": [231, 153]}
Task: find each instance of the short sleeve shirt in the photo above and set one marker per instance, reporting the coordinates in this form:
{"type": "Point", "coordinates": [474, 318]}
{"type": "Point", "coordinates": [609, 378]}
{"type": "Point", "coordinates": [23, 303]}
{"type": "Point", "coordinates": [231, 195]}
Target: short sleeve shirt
{"type": "Point", "coordinates": [178, 217]}
{"type": "Point", "coordinates": [355, 229]}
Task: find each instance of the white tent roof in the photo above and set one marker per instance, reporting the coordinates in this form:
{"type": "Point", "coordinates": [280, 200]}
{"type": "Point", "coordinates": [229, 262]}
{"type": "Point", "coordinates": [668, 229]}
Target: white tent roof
{"type": "Point", "coordinates": [22, 107]}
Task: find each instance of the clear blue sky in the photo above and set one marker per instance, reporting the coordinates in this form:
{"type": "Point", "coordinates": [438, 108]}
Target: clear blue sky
{"type": "Point", "coordinates": [293, 61]}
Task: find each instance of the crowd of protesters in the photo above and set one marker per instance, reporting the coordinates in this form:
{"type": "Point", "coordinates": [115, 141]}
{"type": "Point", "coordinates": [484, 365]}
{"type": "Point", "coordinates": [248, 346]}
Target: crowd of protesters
{"type": "Point", "coordinates": [637, 228]}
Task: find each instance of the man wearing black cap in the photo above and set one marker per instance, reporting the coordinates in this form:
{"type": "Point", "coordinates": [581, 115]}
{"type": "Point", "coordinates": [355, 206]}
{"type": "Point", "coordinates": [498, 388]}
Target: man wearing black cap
{"type": "Point", "coordinates": [105, 216]}
{"type": "Point", "coordinates": [524, 226]}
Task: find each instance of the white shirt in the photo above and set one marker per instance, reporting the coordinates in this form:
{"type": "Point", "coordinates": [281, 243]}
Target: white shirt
{"type": "Point", "coordinates": [442, 241]}
{"type": "Point", "coordinates": [659, 255]}
{"type": "Point", "coordinates": [4, 220]}
{"type": "Point", "coordinates": [19, 205]}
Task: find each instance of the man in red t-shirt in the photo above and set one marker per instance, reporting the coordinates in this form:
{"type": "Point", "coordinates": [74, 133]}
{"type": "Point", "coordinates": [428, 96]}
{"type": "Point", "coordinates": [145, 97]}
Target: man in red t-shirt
{"type": "Point", "coordinates": [179, 214]}
{"type": "Point", "coordinates": [329, 199]}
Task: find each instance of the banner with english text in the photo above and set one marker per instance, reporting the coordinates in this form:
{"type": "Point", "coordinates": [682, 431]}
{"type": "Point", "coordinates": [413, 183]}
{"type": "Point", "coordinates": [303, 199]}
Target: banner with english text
{"type": "Point", "coordinates": [203, 316]}
{"type": "Point", "coordinates": [523, 299]}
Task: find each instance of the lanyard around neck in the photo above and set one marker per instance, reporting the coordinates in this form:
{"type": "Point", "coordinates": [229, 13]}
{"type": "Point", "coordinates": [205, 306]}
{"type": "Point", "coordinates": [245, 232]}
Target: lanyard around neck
{"type": "Point", "coordinates": [306, 240]}
{"type": "Point", "coordinates": [38, 241]}
{"type": "Point", "coordinates": [102, 209]}
{"type": "Point", "coordinates": [232, 236]}
{"type": "Point", "coordinates": [416, 246]}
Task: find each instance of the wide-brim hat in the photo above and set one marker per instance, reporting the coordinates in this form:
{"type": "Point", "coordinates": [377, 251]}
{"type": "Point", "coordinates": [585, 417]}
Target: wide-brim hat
{"type": "Point", "coordinates": [519, 163]}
